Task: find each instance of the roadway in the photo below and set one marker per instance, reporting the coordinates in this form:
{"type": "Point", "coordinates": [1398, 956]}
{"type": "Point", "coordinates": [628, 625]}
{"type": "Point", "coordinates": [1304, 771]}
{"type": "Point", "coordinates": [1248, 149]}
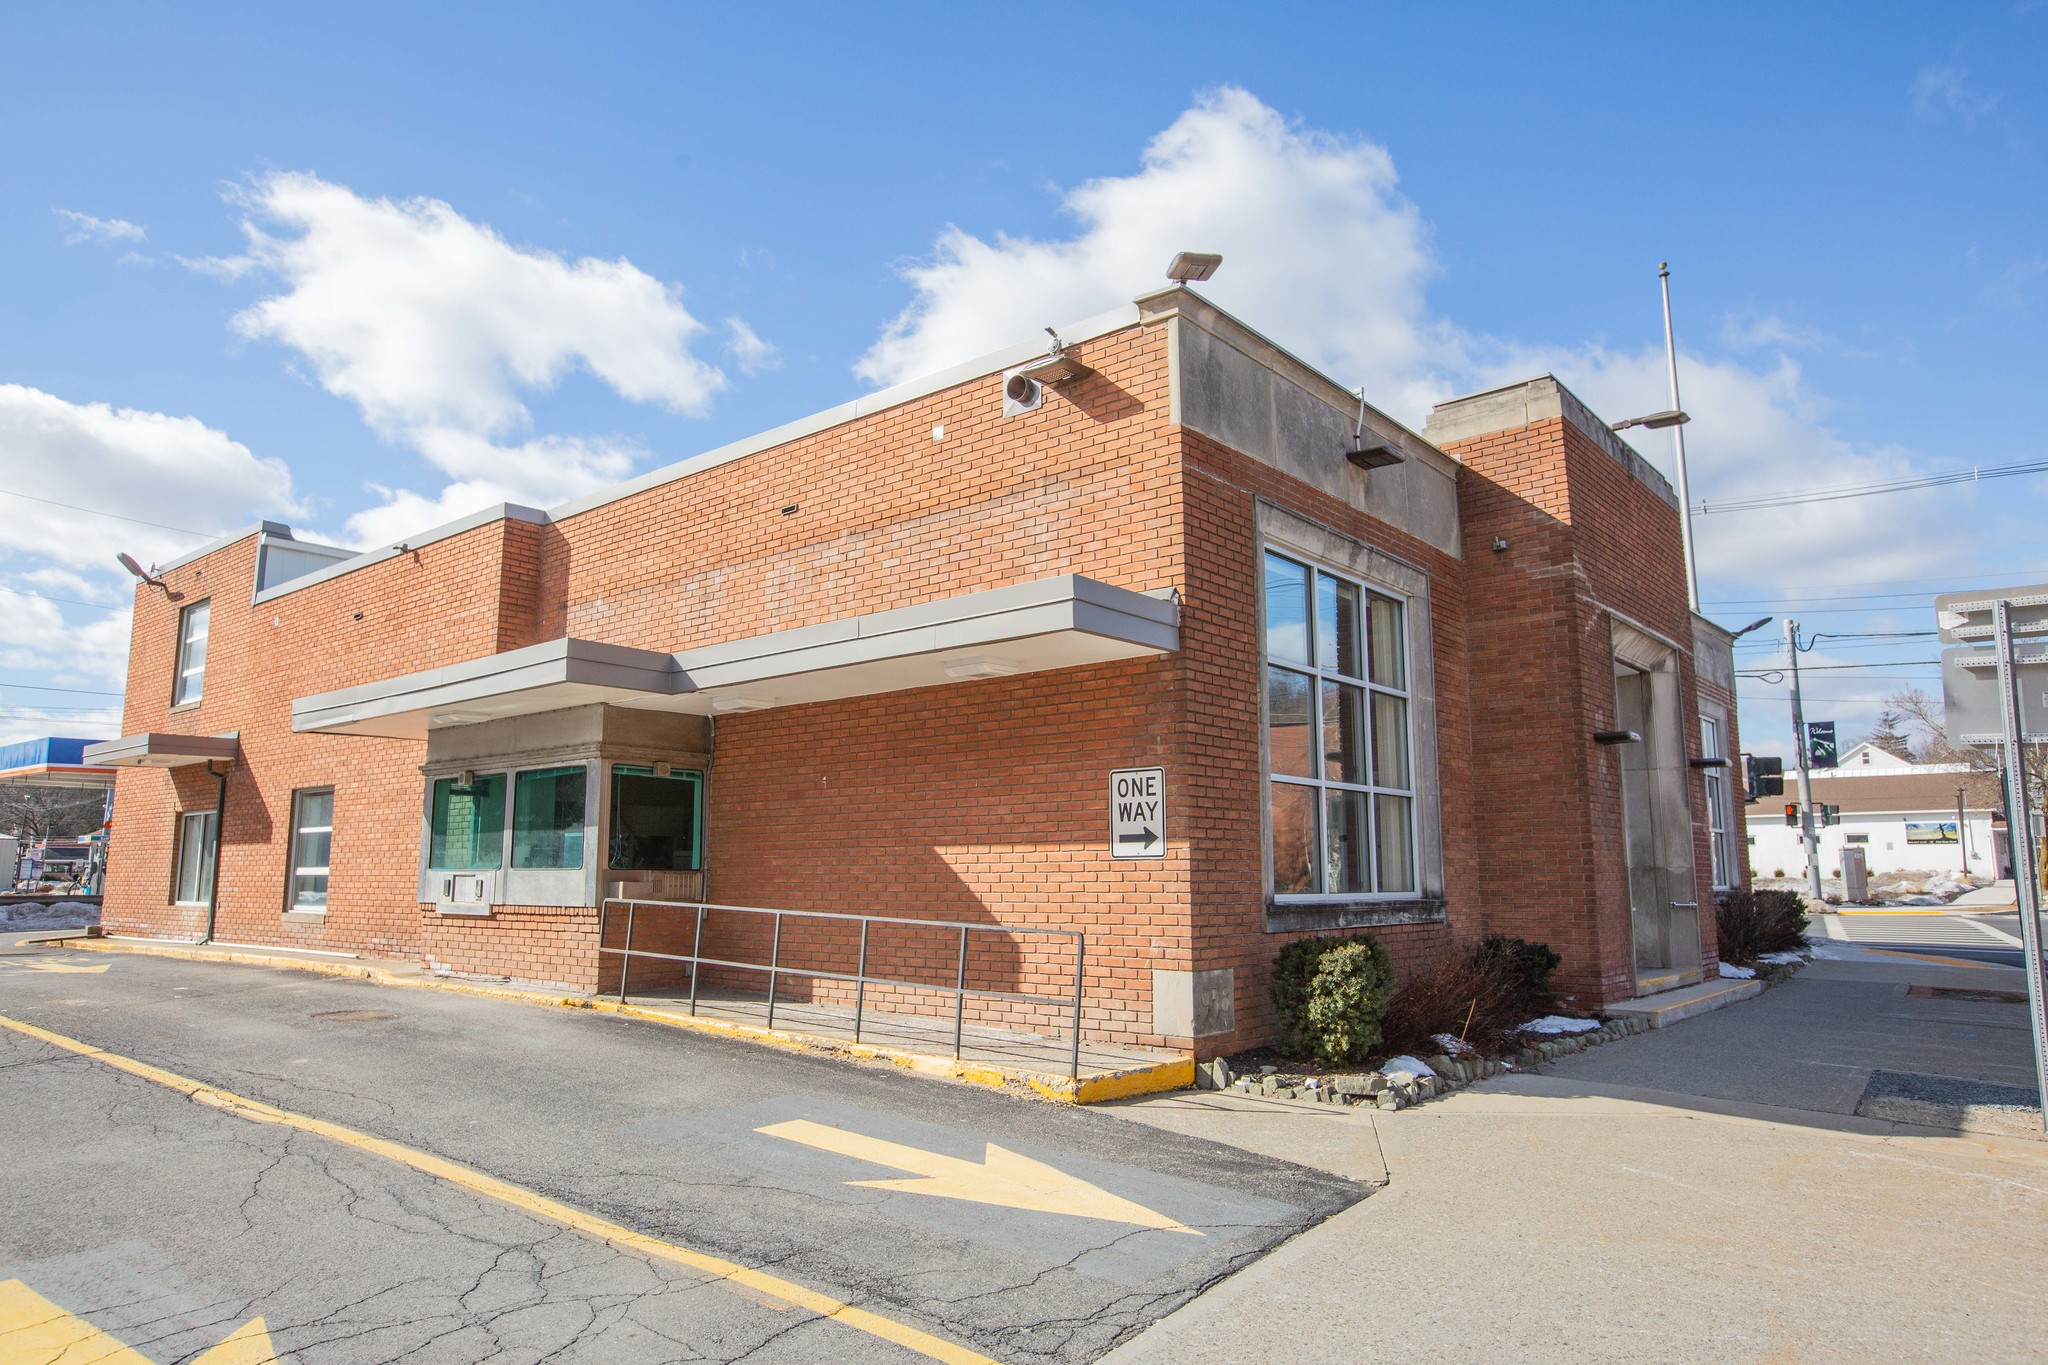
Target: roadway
{"type": "Point", "coordinates": [378, 1174]}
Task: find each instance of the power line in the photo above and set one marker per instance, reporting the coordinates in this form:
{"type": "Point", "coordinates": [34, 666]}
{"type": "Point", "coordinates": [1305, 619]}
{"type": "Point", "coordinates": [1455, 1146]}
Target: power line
{"type": "Point", "coordinates": [96, 512]}
{"type": "Point", "coordinates": [67, 601]}
{"type": "Point", "coordinates": [1866, 490]}
{"type": "Point", "coordinates": [81, 691]}
{"type": "Point", "coordinates": [1797, 588]}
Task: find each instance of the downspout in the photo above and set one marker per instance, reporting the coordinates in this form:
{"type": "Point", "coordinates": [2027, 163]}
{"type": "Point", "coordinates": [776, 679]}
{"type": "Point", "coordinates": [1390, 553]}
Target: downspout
{"type": "Point", "coordinates": [220, 808]}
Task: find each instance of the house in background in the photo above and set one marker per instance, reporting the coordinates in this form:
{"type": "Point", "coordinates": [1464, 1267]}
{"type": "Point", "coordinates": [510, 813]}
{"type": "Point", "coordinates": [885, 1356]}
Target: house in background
{"type": "Point", "coordinates": [1906, 816]}
{"type": "Point", "coordinates": [1156, 638]}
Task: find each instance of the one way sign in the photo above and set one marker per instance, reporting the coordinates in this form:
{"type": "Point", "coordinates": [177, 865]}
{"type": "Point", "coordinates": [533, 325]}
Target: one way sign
{"type": "Point", "coordinates": [1137, 813]}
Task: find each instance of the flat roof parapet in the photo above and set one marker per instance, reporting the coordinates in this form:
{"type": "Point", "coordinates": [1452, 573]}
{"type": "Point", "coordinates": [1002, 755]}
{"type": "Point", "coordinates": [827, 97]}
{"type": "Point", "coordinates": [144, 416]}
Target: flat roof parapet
{"type": "Point", "coordinates": [1538, 399]}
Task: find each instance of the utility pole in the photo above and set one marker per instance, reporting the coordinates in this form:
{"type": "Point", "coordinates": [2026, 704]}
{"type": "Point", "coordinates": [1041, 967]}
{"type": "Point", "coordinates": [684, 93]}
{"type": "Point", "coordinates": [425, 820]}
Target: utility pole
{"type": "Point", "coordinates": [1692, 577]}
{"type": "Point", "coordinates": [1806, 831]}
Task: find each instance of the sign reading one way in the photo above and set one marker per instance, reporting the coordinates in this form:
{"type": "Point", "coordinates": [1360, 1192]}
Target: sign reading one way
{"type": "Point", "coordinates": [1137, 813]}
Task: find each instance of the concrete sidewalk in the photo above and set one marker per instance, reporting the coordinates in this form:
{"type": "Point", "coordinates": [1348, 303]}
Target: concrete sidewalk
{"type": "Point", "coordinates": [1700, 1193]}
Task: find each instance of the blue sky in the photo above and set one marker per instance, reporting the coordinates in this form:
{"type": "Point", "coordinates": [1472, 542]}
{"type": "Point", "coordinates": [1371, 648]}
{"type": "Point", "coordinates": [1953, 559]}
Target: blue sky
{"type": "Point", "coordinates": [359, 268]}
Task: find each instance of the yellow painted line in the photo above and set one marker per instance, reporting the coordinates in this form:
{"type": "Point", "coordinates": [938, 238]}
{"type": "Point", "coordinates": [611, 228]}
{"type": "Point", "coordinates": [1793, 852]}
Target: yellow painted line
{"type": "Point", "coordinates": [1923, 957]}
{"type": "Point", "coordinates": [614, 1234]}
{"type": "Point", "coordinates": [34, 1331]}
{"type": "Point", "coordinates": [1175, 1073]}
{"type": "Point", "coordinates": [1002, 1177]}
{"type": "Point", "coordinates": [33, 965]}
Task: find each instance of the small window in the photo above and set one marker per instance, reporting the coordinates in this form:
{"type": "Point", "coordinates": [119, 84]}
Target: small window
{"type": "Point", "coordinates": [192, 877]}
{"type": "Point", "coordinates": [657, 822]}
{"type": "Point", "coordinates": [312, 844]}
{"type": "Point", "coordinates": [1720, 809]}
{"type": "Point", "coordinates": [467, 831]}
{"type": "Point", "coordinates": [192, 623]}
{"type": "Point", "coordinates": [547, 818]}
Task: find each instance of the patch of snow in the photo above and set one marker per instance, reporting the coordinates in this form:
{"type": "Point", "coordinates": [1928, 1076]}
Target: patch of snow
{"type": "Point", "coordinates": [21, 917]}
{"type": "Point", "coordinates": [1409, 1066]}
{"type": "Point", "coordinates": [1557, 1023]}
{"type": "Point", "coordinates": [1780, 959]}
{"type": "Point", "coordinates": [1451, 1043]}
{"type": "Point", "coordinates": [1921, 900]}
{"type": "Point", "coordinates": [1820, 954]}
{"type": "Point", "coordinates": [1729, 969]}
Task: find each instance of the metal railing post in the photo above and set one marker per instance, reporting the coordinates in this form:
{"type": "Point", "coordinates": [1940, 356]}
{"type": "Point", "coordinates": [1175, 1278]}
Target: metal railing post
{"type": "Point", "coordinates": [860, 984]}
{"type": "Point", "coordinates": [774, 965]}
{"type": "Point", "coordinates": [960, 995]}
{"type": "Point", "coordinates": [1080, 954]}
{"type": "Point", "coordinates": [696, 957]}
{"type": "Point", "coordinates": [626, 961]}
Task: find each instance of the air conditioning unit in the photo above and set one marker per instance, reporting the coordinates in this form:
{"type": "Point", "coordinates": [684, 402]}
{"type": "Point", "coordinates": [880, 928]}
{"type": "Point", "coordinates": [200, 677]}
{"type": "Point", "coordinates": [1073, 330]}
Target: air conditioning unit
{"type": "Point", "coordinates": [466, 893]}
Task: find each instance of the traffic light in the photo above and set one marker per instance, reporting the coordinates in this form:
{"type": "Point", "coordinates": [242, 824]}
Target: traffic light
{"type": "Point", "coordinates": [1831, 815]}
{"type": "Point", "coordinates": [1792, 814]}
{"type": "Point", "coordinates": [1763, 776]}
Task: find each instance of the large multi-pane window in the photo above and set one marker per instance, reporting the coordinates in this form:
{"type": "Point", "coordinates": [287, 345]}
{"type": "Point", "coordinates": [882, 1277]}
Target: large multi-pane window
{"type": "Point", "coordinates": [312, 848]}
{"type": "Point", "coordinates": [192, 623]}
{"type": "Point", "coordinates": [1720, 811]}
{"type": "Point", "coordinates": [547, 817]}
{"type": "Point", "coordinates": [467, 824]}
{"type": "Point", "coordinates": [192, 875]}
{"type": "Point", "coordinates": [1341, 784]}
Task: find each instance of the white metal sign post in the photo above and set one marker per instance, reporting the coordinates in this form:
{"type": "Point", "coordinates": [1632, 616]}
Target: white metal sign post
{"type": "Point", "coordinates": [2020, 820]}
{"type": "Point", "coordinates": [1137, 813]}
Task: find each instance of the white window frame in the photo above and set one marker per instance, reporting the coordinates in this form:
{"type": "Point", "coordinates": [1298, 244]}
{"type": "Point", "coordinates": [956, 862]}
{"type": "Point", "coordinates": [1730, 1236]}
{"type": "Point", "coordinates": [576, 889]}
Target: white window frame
{"type": "Point", "coordinates": [184, 850]}
{"type": "Point", "coordinates": [1321, 785]}
{"type": "Point", "coordinates": [294, 870]}
{"type": "Point", "coordinates": [190, 683]}
{"type": "Point", "coordinates": [1720, 808]}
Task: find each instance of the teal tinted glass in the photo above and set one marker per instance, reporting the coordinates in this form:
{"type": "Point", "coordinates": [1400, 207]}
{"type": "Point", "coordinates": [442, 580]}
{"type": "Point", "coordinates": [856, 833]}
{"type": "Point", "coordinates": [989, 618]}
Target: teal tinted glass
{"type": "Point", "coordinates": [547, 817]}
{"type": "Point", "coordinates": [468, 824]}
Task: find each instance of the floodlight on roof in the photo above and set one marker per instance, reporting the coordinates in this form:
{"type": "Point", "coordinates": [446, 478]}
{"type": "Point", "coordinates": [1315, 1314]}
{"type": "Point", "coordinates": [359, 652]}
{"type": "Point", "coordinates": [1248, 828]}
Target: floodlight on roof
{"type": "Point", "coordinates": [1377, 455]}
{"type": "Point", "coordinates": [1191, 267]}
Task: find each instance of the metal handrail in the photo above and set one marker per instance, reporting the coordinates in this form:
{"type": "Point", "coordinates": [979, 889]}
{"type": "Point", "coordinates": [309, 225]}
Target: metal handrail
{"type": "Point", "coordinates": [861, 978]}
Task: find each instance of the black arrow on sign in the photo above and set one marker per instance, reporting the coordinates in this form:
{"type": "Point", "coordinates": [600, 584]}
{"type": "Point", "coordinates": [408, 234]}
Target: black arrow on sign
{"type": "Point", "coordinates": [1145, 837]}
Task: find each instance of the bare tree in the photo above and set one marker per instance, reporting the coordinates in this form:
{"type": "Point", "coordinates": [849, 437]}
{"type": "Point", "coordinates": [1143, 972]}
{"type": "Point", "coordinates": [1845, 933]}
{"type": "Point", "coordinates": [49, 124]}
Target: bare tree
{"type": "Point", "coordinates": [1919, 717]}
{"type": "Point", "coordinates": [40, 812]}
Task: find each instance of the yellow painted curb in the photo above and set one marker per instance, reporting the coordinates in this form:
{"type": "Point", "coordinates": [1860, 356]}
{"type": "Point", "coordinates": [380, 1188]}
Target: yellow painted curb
{"type": "Point", "coordinates": [490, 1186]}
{"type": "Point", "coordinates": [1176, 1074]}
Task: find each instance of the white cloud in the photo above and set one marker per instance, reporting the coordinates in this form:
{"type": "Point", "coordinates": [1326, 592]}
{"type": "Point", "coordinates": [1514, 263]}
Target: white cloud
{"type": "Point", "coordinates": [86, 228]}
{"type": "Point", "coordinates": [1322, 253]}
{"type": "Point", "coordinates": [435, 326]}
{"type": "Point", "coordinates": [175, 480]}
{"type": "Point", "coordinates": [752, 354]}
{"type": "Point", "coordinates": [1941, 91]}
{"type": "Point", "coordinates": [1318, 245]}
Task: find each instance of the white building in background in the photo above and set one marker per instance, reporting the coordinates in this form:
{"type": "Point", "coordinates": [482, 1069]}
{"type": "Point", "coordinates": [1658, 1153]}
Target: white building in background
{"type": "Point", "coordinates": [1902, 814]}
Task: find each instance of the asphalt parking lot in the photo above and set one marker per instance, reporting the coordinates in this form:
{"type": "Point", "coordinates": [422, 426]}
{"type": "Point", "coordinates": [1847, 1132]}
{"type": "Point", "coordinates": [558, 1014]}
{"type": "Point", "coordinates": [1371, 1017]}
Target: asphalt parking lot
{"type": "Point", "coordinates": [946, 1218]}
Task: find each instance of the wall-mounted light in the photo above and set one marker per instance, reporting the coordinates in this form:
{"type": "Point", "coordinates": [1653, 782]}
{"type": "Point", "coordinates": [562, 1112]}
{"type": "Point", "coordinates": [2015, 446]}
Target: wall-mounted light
{"type": "Point", "coordinates": [1192, 267]}
{"type": "Point", "coordinates": [1707, 762]}
{"type": "Point", "coordinates": [128, 563]}
{"type": "Point", "coordinates": [1377, 454]}
{"type": "Point", "coordinates": [1500, 545]}
{"type": "Point", "coordinates": [1655, 421]}
{"type": "Point", "coordinates": [1617, 737]}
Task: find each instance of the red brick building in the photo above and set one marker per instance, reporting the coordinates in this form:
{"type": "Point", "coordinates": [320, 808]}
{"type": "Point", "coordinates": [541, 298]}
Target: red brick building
{"type": "Point", "coordinates": [885, 661]}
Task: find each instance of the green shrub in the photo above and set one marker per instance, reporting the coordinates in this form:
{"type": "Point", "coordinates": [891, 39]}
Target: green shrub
{"type": "Point", "coordinates": [1750, 924]}
{"type": "Point", "coordinates": [1331, 994]}
{"type": "Point", "coordinates": [1528, 964]}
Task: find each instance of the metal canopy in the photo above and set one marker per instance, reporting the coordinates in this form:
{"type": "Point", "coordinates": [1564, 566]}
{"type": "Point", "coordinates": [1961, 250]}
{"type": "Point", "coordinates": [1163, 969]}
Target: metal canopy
{"type": "Point", "coordinates": [154, 750]}
{"type": "Point", "coordinates": [1054, 623]}
{"type": "Point", "coordinates": [53, 762]}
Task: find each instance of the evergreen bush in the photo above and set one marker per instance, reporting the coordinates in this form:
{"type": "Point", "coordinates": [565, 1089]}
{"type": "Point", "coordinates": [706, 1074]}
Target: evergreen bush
{"type": "Point", "coordinates": [1331, 994]}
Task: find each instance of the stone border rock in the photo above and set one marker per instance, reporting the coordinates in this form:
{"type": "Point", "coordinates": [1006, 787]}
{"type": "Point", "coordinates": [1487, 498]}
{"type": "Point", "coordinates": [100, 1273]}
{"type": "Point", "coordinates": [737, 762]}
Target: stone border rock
{"type": "Point", "coordinates": [1399, 1090]}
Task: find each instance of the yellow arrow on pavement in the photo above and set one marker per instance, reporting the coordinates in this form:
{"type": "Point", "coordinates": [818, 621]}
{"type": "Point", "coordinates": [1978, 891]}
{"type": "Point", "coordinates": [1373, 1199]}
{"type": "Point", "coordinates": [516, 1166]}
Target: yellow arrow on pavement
{"type": "Point", "coordinates": [50, 966]}
{"type": "Point", "coordinates": [34, 1331]}
{"type": "Point", "coordinates": [1003, 1177]}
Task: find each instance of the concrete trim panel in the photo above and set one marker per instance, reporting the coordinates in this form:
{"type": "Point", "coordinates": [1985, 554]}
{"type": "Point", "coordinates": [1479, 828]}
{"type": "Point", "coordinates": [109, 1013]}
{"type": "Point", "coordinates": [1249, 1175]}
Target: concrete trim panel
{"type": "Point", "coordinates": [1540, 399]}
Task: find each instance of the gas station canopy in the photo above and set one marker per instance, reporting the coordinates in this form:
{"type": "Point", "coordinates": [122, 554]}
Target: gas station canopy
{"type": "Point", "coordinates": [53, 762]}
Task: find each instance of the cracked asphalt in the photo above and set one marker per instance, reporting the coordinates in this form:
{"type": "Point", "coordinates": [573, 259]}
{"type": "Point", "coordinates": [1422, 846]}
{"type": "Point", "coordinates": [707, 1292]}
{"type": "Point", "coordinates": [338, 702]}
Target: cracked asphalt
{"type": "Point", "coordinates": [168, 1223]}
